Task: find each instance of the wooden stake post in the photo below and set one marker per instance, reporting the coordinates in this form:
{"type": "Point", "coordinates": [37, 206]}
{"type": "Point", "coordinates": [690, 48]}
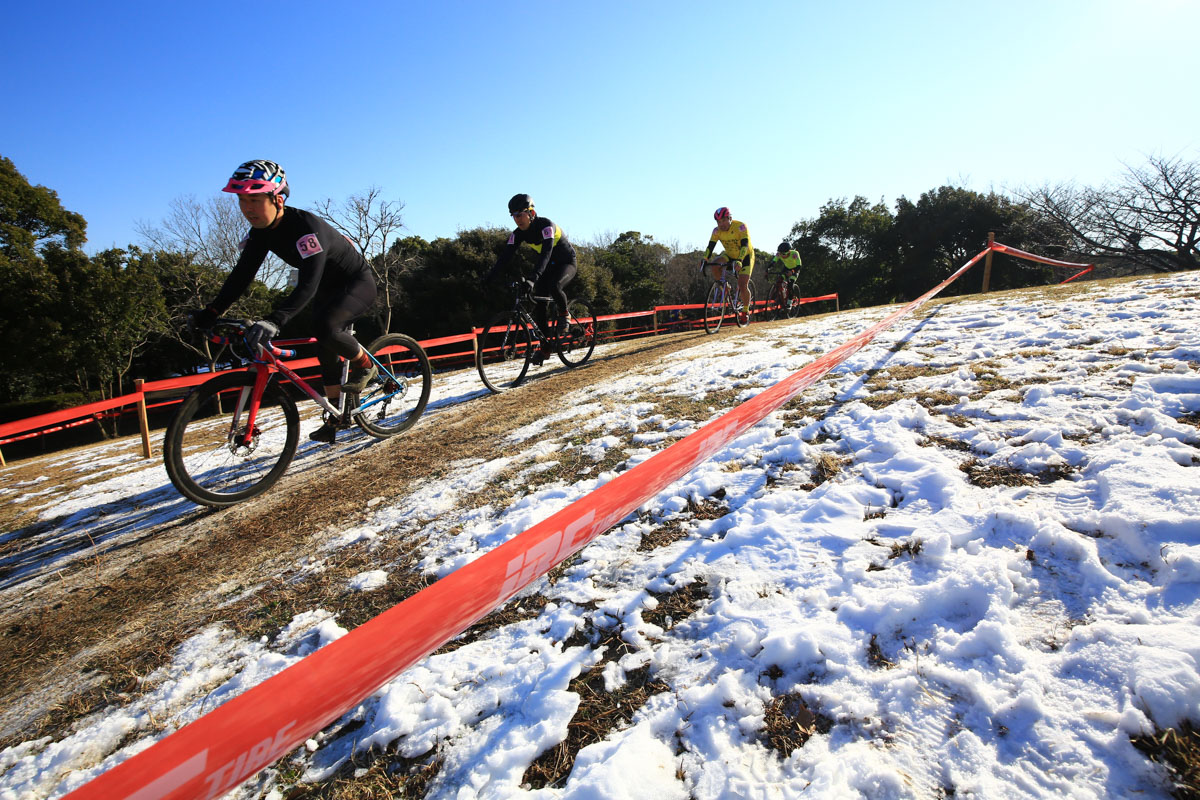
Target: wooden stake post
{"type": "Point", "coordinates": [987, 262]}
{"type": "Point", "coordinates": [142, 420]}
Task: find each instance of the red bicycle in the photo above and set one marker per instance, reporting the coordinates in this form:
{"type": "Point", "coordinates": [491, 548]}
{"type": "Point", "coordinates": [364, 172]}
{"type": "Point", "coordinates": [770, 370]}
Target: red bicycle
{"type": "Point", "coordinates": [783, 297]}
{"type": "Point", "coordinates": [235, 434]}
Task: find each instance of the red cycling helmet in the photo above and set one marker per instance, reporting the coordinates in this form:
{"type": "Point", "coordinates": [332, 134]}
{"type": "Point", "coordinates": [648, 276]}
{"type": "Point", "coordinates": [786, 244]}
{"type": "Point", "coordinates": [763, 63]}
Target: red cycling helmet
{"type": "Point", "coordinates": [722, 213]}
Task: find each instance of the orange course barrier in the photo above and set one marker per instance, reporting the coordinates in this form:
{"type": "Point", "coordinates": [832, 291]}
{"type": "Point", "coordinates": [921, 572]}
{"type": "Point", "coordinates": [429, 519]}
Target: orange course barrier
{"type": "Point", "coordinates": [234, 741]}
{"type": "Point", "coordinates": [1012, 251]}
{"type": "Point", "coordinates": [82, 415]}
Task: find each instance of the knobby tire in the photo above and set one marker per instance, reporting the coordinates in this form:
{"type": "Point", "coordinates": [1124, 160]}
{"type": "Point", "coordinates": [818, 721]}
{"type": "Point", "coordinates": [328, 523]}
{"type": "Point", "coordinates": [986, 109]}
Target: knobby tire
{"type": "Point", "coordinates": [202, 454]}
{"type": "Point", "coordinates": [504, 351]}
{"type": "Point", "coordinates": [396, 397]}
{"type": "Point", "coordinates": [576, 347]}
{"type": "Point", "coordinates": [776, 303]}
{"type": "Point", "coordinates": [748, 302]}
{"type": "Point", "coordinates": [714, 308]}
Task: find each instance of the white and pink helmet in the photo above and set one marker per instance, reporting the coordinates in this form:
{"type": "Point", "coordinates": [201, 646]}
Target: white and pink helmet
{"type": "Point", "coordinates": [722, 213]}
{"type": "Point", "coordinates": [258, 177]}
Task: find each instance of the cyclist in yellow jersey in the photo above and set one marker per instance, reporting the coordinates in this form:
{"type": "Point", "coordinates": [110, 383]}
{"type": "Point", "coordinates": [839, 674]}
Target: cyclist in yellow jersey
{"type": "Point", "coordinates": [735, 239]}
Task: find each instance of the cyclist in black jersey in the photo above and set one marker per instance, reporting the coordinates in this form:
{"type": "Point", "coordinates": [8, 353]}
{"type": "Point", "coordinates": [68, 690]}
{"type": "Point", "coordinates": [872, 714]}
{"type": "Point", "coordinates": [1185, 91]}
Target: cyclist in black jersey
{"type": "Point", "coordinates": [332, 275]}
{"type": "Point", "coordinates": [555, 267]}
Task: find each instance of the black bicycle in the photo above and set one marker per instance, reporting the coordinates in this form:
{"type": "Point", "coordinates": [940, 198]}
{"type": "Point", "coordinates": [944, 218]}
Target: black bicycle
{"type": "Point", "coordinates": [512, 341]}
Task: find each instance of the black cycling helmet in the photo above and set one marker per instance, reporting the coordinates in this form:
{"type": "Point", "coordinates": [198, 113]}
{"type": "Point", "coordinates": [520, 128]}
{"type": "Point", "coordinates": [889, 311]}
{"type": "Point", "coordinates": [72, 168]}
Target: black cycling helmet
{"type": "Point", "coordinates": [783, 247]}
{"type": "Point", "coordinates": [519, 203]}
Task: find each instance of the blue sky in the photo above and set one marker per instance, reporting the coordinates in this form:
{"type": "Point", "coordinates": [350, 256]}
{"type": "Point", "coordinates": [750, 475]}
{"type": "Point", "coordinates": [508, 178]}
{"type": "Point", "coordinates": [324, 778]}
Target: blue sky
{"type": "Point", "coordinates": [615, 116]}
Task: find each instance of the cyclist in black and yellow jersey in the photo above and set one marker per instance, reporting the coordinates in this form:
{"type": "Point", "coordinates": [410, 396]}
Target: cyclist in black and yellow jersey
{"type": "Point", "coordinates": [735, 239]}
{"type": "Point", "coordinates": [555, 266]}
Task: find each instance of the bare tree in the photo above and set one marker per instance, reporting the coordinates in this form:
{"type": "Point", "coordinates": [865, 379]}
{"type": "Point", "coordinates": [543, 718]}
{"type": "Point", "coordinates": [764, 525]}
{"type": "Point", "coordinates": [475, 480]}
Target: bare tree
{"type": "Point", "coordinates": [1149, 219]}
{"type": "Point", "coordinates": [209, 233]}
{"type": "Point", "coordinates": [373, 225]}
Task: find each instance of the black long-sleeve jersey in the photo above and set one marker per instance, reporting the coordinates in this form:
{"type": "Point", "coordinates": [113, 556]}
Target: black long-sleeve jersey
{"type": "Point", "coordinates": [326, 261]}
{"type": "Point", "coordinates": [543, 236]}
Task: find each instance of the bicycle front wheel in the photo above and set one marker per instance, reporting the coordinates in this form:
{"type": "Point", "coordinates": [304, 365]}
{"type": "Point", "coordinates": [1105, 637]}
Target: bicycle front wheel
{"type": "Point", "coordinates": [743, 319]}
{"type": "Point", "coordinates": [793, 302]}
{"type": "Point", "coordinates": [211, 454]}
{"type": "Point", "coordinates": [395, 398]}
{"type": "Point", "coordinates": [505, 348]}
{"type": "Point", "coordinates": [776, 302]}
{"type": "Point", "coordinates": [714, 308]}
{"type": "Point", "coordinates": [576, 344]}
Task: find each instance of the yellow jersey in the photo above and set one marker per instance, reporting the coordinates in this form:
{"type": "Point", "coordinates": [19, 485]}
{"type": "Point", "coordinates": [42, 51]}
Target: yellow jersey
{"type": "Point", "coordinates": [736, 242]}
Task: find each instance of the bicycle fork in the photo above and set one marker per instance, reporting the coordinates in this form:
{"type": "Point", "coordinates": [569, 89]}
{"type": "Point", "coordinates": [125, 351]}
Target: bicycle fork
{"type": "Point", "coordinates": [249, 403]}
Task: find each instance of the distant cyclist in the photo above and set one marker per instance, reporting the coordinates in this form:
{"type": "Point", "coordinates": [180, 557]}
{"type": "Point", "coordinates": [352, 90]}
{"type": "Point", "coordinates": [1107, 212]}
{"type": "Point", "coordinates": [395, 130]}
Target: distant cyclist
{"type": "Point", "coordinates": [788, 261]}
{"type": "Point", "coordinates": [555, 266]}
{"type": "Point", "coordinates": [735, 239]}
{"type": "Point", "coordinates": [332, 275]}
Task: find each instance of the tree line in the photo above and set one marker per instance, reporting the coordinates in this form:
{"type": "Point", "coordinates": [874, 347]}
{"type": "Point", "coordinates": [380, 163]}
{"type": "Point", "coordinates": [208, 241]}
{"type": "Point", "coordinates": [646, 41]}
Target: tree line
{"type": "Point", "coordinates": [80, 327]}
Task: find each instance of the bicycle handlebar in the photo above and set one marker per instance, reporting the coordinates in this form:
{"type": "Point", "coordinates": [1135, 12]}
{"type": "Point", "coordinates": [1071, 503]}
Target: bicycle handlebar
{"type": "Point", "coordinates": [240, 325]}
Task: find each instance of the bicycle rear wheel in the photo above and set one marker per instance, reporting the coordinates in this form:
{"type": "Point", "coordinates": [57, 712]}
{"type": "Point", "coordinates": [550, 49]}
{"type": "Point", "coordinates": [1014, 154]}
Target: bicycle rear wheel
{"type": "Point", "coordinates": [714, 308]}
{"type": "Point", "coordinates": [396, 398]}
{"type": "Point", "coordinates": [204, 452]}
{"type": "Point", "coordinates": [505, 348]}
{"type": "Point", "coordinates": [576, 345]}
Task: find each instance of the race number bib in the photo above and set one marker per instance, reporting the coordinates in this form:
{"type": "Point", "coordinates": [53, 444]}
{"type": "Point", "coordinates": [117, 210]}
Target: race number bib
{"type": "Point", "coordinates": [308, 245]}
{"type": "Point", "coordinates": [548, 232]}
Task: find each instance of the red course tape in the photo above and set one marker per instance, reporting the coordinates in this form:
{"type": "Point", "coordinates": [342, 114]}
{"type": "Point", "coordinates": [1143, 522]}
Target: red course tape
{"type": "Point", "coordinates": [234, 741]}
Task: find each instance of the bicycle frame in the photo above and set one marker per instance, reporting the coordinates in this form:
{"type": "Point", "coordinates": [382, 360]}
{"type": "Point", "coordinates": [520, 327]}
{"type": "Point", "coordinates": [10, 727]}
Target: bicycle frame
{"type": "Point", "coordinates": [783, 283]}
{"type": "Point", "coordinates": [726, 284]}
{"type": "Point", "coordinates": [268, 365]}
{"type": "Point", "coordinates": [523, 305]}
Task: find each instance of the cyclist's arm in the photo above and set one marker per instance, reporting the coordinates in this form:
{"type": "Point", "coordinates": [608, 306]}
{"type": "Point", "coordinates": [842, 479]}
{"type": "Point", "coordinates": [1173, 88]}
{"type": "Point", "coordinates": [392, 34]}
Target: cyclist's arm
{"type": "Point", "coordinates": [712, 243]}
{"type": "Point", "coordinates": [548, 241]}
{"type": "Point", "coordinates": [251, 258]}
{"type": "Point", "coordinates": [506, 255]}
{"type": "Point", "coordinates": [744, 244]}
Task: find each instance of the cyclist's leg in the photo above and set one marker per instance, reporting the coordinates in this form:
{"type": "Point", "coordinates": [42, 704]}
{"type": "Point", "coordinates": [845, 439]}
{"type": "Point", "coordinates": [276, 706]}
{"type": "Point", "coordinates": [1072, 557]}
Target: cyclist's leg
{"type": "Point", "coordinates": [716, 264]}
{"type": "Point", "coordinates": [553, 284]}
{"type": "Point", "coordinates": [332, 317]}
{"type": "Point", "coordinates": [743, 279]}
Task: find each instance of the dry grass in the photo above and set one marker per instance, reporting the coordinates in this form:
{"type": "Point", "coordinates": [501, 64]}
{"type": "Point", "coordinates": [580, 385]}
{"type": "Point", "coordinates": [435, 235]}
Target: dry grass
{"type": "Point", "coordinates": [875, 656]}
{"type": "Point", "coordinates": [374, 775]}
{"type": "Point", "coordinates": [661, 537]}
{"type": "Point", "coordinates": [945, 442]}
{"type": "Point", "coordinates": [788, 723]}
{"type": "Point", "coordinates": [600, 711]}
{"type": "Point", "coordinates": [874, 513]}
{"type": "Point", "coordinates": [827, 467]}
{"type": "Point", "coordinates": [989, 475]}
{"type": "Point", "coordinates": [1179, 750]}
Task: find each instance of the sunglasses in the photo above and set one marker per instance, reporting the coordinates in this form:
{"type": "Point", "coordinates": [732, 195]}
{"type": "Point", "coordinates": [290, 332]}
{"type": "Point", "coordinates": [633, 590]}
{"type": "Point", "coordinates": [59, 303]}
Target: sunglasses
{"type": "Point", "coordinates": [252, 186]}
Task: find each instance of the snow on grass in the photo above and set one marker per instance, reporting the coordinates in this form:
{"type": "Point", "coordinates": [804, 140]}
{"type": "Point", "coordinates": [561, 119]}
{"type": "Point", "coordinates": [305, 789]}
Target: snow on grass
{"type": "Point", "coordinates": [983, 585]}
